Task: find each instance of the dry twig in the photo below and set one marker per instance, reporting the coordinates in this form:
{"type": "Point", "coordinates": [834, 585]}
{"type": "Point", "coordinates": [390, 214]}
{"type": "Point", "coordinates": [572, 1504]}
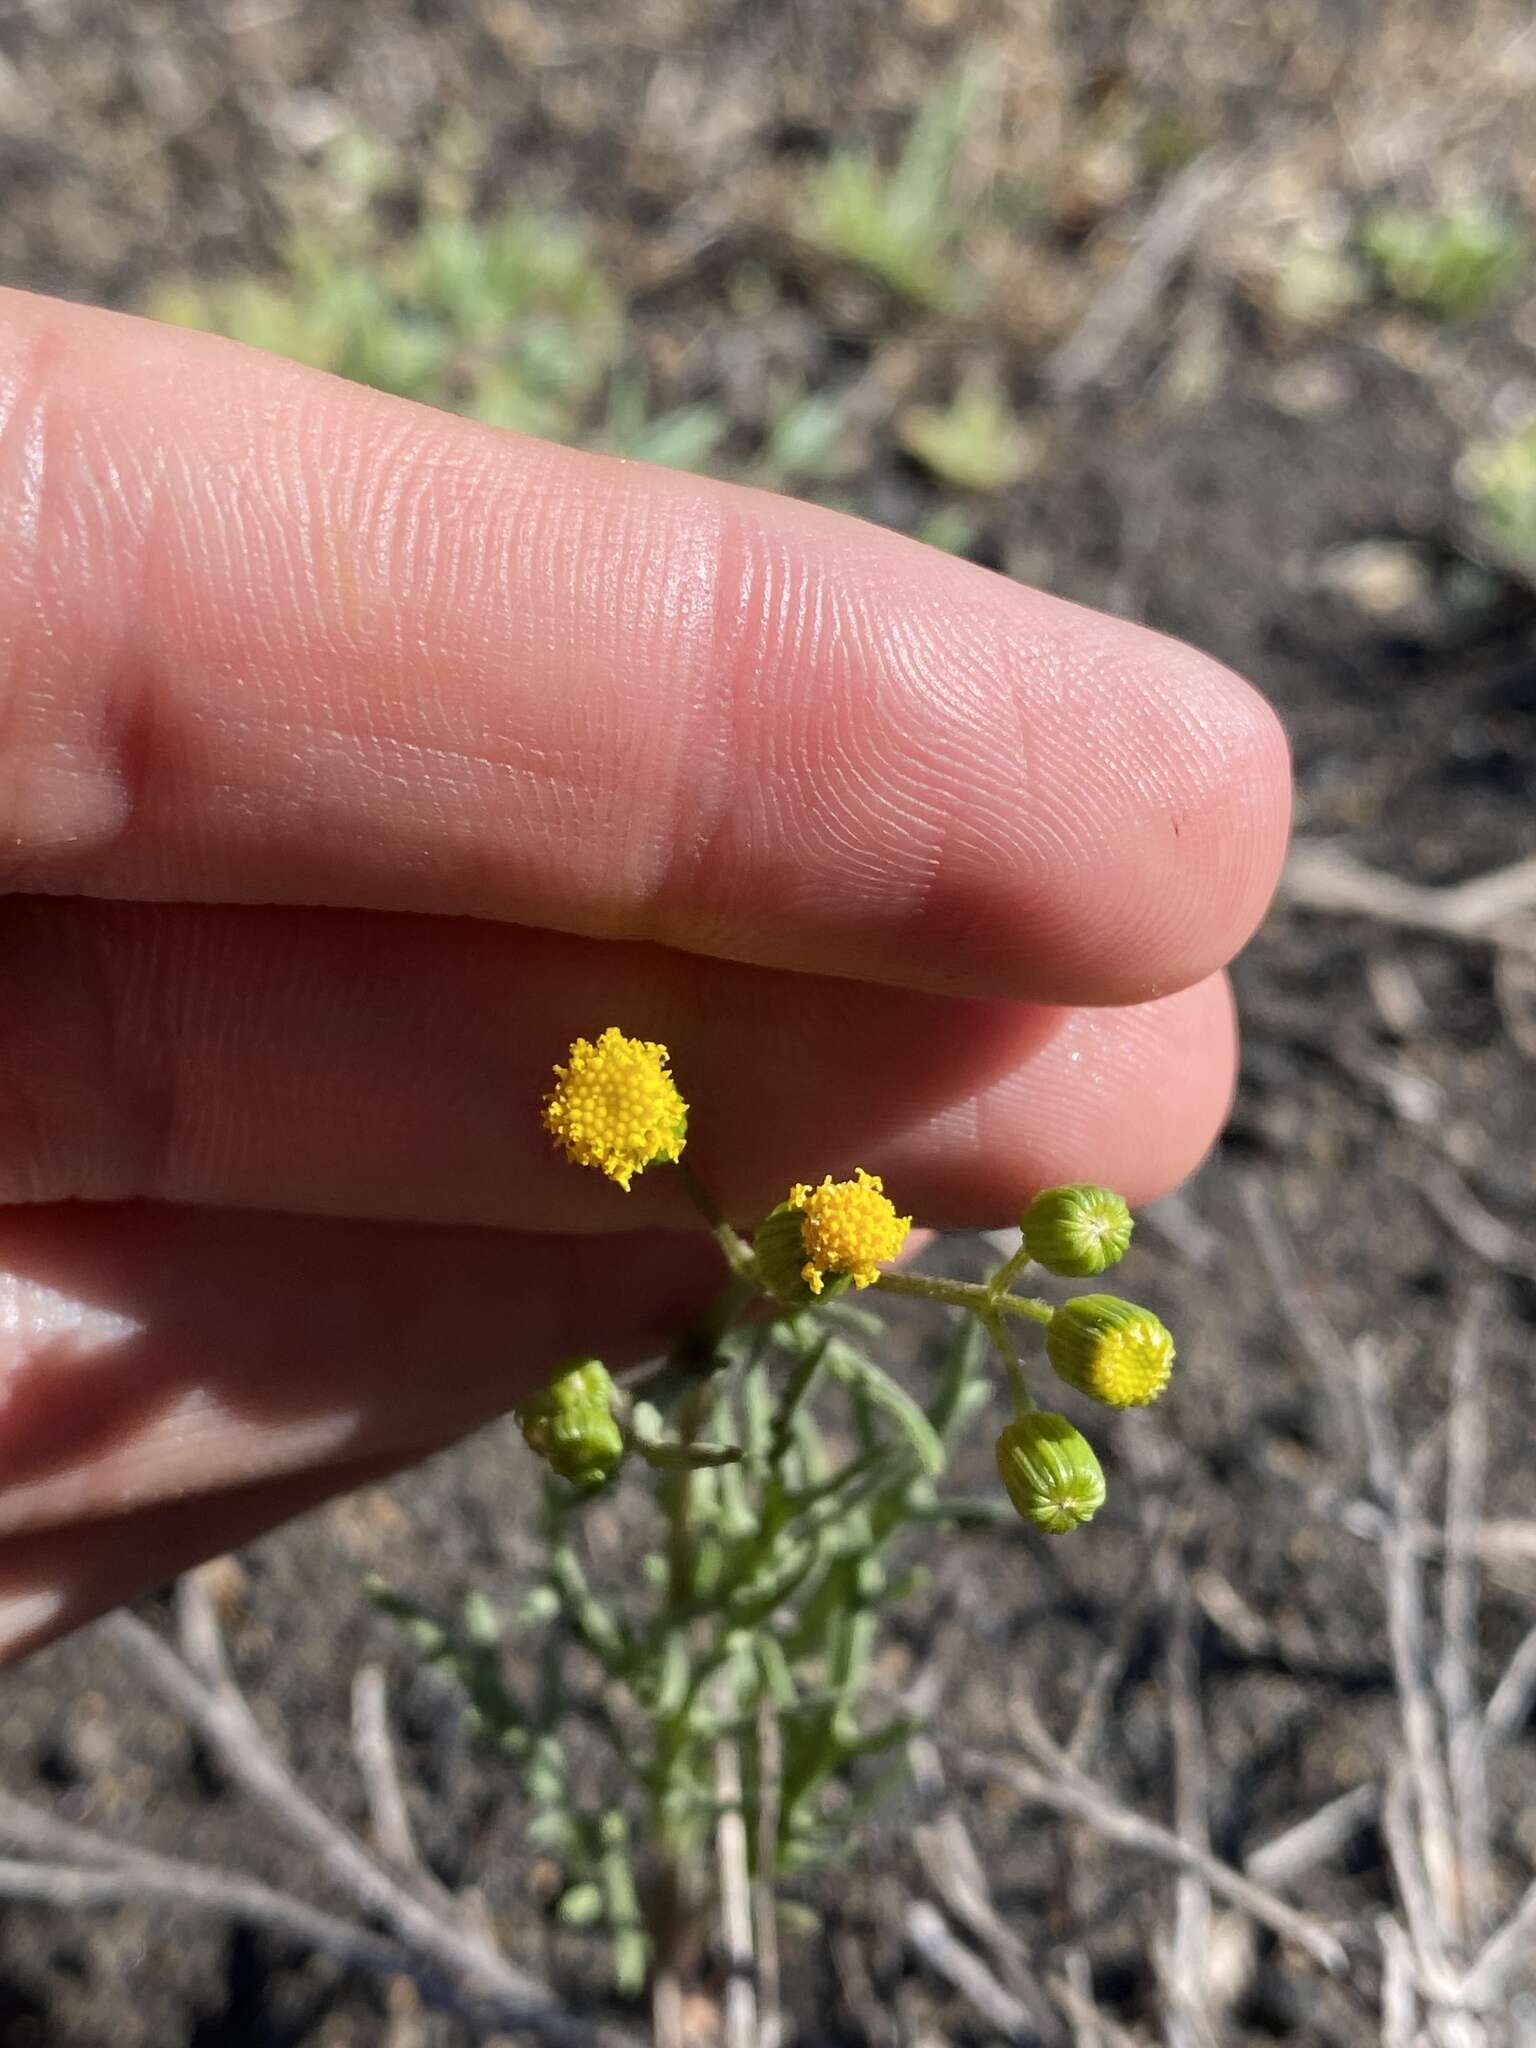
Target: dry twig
{"type": "Point", "coordinates": [1513, 1697]}
{"type": "Point", "coordinates": [1483, 1986]}
{"type": "Point", "coordinates": [765, 1912]}
{"type": "Point", "coordinates": [1466, 1459]}
{"type": "Point", "coordinates": [1088, 353]}
{"type": "Point", "coordinates": [1062, 1788]}
{"type": "Point", "coordinates": [1321, 1344]}
{"type": "Point", "coordinates": [1478, 1228]}
{"type": "Point", "coordinates": [1288, 1856]}
{"type": "Point", "coordinates": [213, 1705]}
{"type": "Point", "coordinates": [1184, 1973]}
{"type": "Point", "coordinates": [1073, 1992]}
{"type": "Point", "coordinates": [377, 1766]}
{"type": "Point", "coordinates": [1401, 1562]}
{"type": "Point", "coordinates": [199, 1888]}
{"type": "Point", "coordinates": [949, 1859]}
{"type": "Point", "coordinates": [735, 1901]}
{"type": "Point", "coordinates": [1494, 907]}
{"type": "Point", "coordinates": [1399, 1996]}
{"type": "Point", "coordinates": [965, 1970]}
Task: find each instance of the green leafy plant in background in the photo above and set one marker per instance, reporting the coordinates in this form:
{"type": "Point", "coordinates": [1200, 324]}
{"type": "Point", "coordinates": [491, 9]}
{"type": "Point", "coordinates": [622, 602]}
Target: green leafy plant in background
{"type": "Point", "coordinates": [975, 442]}
{"type": "Point", "coordinates": [1500, 474]}
{"type": "Point", "coordinates": [1452, 265]}
{"type": "Point", "coordinates": [727, 1540]}
{"type": "Point", "coordinates": [905, 225]}
{"type": "Point", "coordinates": [808, 441]}
{"type": "Point", "coordinates": [511, 319]}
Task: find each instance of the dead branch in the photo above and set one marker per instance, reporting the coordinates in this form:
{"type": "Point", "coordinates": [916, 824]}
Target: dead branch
{"type": "Point", "coordinates": [1513, 1697]}
{"type": "Point", "coordinates": [1483, 1985]}
{"type": "Point", "coordinates": [868, 2011]}
{"type": "Point", "coordinates": [1466, 1461]}
{"type": "Point", "coordinates": [1495, 906]}
{"type": "Point", "coordinates": [1073, 1992]}
{"type": "Point", "coordinates": [1402, 1564]}
{"type": "Point", "coordinates": [961, 1967]}
{"type": "Point", "coordinates": [199, 1888]}
{"type": "Point", "coordinates": [1062, 1788]}
{"type": "Point", "coordinates": [1399, 1996]}
{"type": "Point", "coordinates": [1172, 228]}
{"type": "Point", "coordinates": [1185, 1972]}
{"type": "Point", "coordinates": [1322, 1346]}
{"type": "Point", "coordinates": [1286, 1857]}
{"type": "Point", "coordinates": [765, 1913]}
{"type": "Point", "coordinates": [1478, 1228]}
{"type": "Point", "coordinates": [1405, 1856]}
{"type": "Point", "coordinates": [735, 1901]}
{"type": "Point", "coordinates": [377, 1766]}
{"type": "Point", "coordinates": [952, 1866]}
{"type": "Point", "coordinates": [217, 1710]}
{"type": "Point", "coordinates": [1108, 1669]}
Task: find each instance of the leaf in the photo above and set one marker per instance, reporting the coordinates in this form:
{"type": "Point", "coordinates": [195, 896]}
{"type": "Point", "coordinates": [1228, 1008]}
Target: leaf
{"type": "Point", "coordinates": [863, 1376]}
{"type": "Point", "coordinates": [960, 1375]}
{"type": "Point", "coordinates": [582, 1905]}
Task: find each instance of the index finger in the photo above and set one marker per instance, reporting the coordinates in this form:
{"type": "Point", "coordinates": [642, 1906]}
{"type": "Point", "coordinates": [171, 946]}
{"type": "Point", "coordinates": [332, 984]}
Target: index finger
{"type": "Point", "coordinates": [267, 636]}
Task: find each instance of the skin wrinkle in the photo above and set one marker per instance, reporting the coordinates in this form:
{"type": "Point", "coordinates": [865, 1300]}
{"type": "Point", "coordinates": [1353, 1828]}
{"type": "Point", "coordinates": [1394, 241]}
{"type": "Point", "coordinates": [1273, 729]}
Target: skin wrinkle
{"type": "Point", "coordinates": [290, 1031]}
{"type": "Point", "coordinates": [563, 661]}
{"type": "Point", "coordinates": [1174, 1060]}
{"type": "Point", "coordinates": [196, 1436]}
{"type": "Point", "coordinates": [218, 1300]}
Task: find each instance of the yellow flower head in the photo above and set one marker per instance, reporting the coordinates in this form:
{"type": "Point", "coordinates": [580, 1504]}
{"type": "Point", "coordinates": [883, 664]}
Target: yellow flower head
{"type": "Point", "coordinates": [615, 1106]}
{"type": "Point", "coordinates": [1110, 1349]}
{"type": "Point", "coordinates": [848, 1226]}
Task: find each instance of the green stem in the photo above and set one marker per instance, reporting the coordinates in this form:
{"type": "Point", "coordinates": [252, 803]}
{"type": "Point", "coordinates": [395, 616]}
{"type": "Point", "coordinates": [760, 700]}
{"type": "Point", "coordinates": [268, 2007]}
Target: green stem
{"type": "Point", "coordinates": [679, 1489]}
{"type": "Point", "coordinates": [799, 1386]}
{"type": "Point", "coordinates": [733, 1246]}
{"type": "Point", "coordinates": [1008, 1272]}
{"type": "Point", "coordinates": [980, 1300]}
{"type": "Point", "coordinates": [1002, 1337]}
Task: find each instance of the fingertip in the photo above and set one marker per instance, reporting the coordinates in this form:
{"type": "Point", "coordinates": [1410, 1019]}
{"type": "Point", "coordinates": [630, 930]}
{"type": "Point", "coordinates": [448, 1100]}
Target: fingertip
{"type": "Point", "coordinates": [1164, 790]}
{"type": "Point", "coordinates": [1132, 1097]}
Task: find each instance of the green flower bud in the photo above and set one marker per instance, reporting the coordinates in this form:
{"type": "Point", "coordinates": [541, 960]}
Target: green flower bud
{"type": "Point", "coordinates": [1076, 1231]}
{"type": "Point", "coordinates": [779, 1248]}
{"type": "Point", "coordinates": [1110, 1349]}
{"type": "Point", "coordinates": [570, 1424]}
{"type": "Point", "coordinates": [1050, 1472]}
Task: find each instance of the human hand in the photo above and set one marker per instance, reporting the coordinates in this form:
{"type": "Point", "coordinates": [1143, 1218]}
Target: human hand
{"type": "Point", "coordinates": [354, 759]}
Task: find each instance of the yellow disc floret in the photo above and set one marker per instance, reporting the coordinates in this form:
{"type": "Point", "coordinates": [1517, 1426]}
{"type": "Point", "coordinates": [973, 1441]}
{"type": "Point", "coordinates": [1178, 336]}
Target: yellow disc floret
{"type": "Point", "coordinates": [848, 1226]}
{"type": "Point", "coordinates": [615, 1106]}
{"type": "Point", "coordinates": [1110, 1349]}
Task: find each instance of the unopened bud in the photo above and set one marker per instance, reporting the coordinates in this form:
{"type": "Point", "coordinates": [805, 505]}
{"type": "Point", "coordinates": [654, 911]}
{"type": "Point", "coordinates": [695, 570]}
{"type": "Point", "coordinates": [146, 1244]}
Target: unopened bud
{"type": "Point", "coordinates": [570, 1423]}
{"type": "Point", "coordinates": [1050, 1472]}
{"type": "Point", "coordinates": [1076, 1231]}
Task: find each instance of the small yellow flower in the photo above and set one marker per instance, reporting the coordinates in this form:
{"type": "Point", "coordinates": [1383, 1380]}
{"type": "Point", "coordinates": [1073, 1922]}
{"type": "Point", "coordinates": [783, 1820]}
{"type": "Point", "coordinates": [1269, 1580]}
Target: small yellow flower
{"type": "Point", "coordinates": [848, 1226]}
{"type": "Point", "coordinates": [615, 1106]}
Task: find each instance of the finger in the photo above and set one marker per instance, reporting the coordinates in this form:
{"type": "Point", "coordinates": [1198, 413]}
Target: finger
{"type": "Point", "coordinates": [1132, 1098]}
{"type": "Point", "coordinates": [59, 1579]}
{"type": "Point", "coordinates": [152, 1354]}
{"type": "Point", "coordinates": [268, 636]}
{"type": "Point", "coordinates": [393, 1067]}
